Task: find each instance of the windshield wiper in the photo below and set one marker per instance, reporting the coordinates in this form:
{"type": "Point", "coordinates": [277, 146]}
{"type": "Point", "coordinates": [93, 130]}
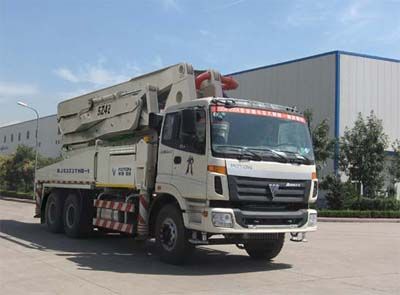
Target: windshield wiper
{"type": "Point", "coordinates": [299, 156]}
{"type": "Point", "coordinates": [244, 151]}
{"type": "Point", "coordinates": [274, 152]}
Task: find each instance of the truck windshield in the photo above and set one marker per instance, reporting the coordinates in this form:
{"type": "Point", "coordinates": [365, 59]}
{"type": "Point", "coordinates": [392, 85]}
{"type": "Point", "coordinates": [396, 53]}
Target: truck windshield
{"type": "Point", "coordinates": [259, 134]}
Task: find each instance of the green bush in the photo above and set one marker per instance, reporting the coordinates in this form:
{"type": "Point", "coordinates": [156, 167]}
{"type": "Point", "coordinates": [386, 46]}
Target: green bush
{"type": "Point", "coordinates": [378, 203]}
{"type": "Point", "coordinates": [360, 214]}
{"type": "Point", "coordinates": [14, 194]}
{"type": "Point", "coordinates": [343, 196]}
{"type": "Point", "coordinates": [339, 195]}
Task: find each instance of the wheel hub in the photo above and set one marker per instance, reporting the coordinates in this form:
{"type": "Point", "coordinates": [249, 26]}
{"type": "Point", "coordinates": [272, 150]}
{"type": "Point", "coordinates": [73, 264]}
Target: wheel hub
{"type": "Point", "coordinates": [70, 216]}
{"type": "Point", "coordinates": [168, 235]}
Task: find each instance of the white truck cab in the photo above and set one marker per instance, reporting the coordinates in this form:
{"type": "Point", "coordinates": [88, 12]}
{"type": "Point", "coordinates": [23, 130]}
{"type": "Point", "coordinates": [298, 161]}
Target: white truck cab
{"type": "Point", "coordinates": [166, 155]}
{"type": "Point", "coordinates": [238, 166]}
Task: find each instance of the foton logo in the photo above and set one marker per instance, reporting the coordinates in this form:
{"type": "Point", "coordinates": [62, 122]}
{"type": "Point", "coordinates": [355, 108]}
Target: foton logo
{"type": "Point", "coordinates": [241, 166]}
{"type": "Point", "coordinates": [122, 171]}
{"type": "Point", "coordinates": [273, 187]}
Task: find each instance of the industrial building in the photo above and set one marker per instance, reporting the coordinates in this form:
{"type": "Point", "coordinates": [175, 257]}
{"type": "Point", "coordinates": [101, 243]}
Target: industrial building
{"type": "Point", "coordinates": [336, 85]}
{"type": "Point", "coordinates": [49, 136]}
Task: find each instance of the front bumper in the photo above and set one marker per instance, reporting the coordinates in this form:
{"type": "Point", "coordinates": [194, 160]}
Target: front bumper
{"type": "Point", "coordinates": [303, 220]}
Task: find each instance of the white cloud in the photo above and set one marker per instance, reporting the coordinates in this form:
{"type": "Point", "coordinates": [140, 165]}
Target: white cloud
{"type": "Point", "coordinates": [204, 32]}
{"type": "Point", "coordinates": [12, 89]}
{"type": "Point", "coordinates": [207, 34]}
{"type": "Point", "coordinates": [133, 70]}
{"type": "Point", "coordinates": [304, 13]}
{"type": "Point", "coordinates": [93, 76]}
{"type": "Point", "coordinates": [66, 74]}
{"type": "Point", "coordinates": [73, 93]}
{"type": "Point", "coordinates": [171, 5]}
{"type": "Point", "coordinates": [217, 6]}
{"type": "Point", "coordinates": [356, 11]}
{"type": "Point", "coordinates": [96, 74]}
{"type": "Point", "coordinates": [157, 62]}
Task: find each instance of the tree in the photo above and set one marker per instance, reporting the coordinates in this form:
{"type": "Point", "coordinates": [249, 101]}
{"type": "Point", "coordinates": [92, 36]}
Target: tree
{"type": "Point", "coordinates": [362, 154]}
{"type": "Point", "coordinates": [322, 143]}
{"type": "Point", "coordinates": [19, 168]}
{"type": "Point", "coordinates": [339, 195]}
{"type": "Point", "coordinates": [3, 160]}
{"type": "Point", "coordinates": [394, 168]}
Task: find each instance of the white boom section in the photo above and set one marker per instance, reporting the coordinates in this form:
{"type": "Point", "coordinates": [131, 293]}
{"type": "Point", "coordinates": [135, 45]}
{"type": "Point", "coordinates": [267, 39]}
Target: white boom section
{"type": "Point", "coordinates": [103, 131]}
{"type": "Point", "coordinates": [124, 107]}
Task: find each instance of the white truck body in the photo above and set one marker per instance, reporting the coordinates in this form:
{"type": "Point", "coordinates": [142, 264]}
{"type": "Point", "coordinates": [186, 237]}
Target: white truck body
{"type": "Point", "coordinates": [130, 168]}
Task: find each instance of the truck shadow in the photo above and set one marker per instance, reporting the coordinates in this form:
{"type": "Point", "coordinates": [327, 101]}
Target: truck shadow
{"type": "Point", "coordinates": [115, 253]}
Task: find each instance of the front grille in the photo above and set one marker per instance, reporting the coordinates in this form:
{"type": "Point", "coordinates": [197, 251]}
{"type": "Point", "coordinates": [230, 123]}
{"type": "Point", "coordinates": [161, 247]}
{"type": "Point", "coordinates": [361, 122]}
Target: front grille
{"type": "Point", "coordinates": [271, 221]}
{"type": "Point", "coordinates": [251, 218]}
{"type": "Point", "coordinates": [257, 236]}
{"type": "Point", "coordinates": [245, 189]}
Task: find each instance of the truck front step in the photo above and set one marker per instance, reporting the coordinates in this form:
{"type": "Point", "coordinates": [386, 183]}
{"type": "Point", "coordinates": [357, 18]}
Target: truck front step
{"type": "Point", "coordinates": [113, 225]}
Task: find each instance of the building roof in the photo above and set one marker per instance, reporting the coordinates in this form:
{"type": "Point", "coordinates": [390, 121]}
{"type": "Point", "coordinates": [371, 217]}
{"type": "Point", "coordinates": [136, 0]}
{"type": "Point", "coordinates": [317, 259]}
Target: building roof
{"type": "Point", "coordinates": [24, 122]}
{"type": "Point", "coordinates": [339, 52]}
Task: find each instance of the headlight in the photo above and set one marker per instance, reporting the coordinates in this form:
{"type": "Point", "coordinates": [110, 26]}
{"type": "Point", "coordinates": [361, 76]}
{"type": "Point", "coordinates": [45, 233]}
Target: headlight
{"type": "Point", "coordinates": [312, 219]}
{"type": "Point", "coordinates": [220, 219]}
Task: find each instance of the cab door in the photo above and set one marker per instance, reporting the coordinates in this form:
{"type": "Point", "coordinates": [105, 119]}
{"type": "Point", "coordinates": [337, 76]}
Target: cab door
{"type": "Point", "coordinates": [169, 138]}
{"type": "Point", "coordinates": [189, 170]}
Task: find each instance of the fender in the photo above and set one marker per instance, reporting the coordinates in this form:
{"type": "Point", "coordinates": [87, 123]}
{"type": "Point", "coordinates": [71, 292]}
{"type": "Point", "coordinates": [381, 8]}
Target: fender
{"type": "Point", "coordinates": [169, 189]}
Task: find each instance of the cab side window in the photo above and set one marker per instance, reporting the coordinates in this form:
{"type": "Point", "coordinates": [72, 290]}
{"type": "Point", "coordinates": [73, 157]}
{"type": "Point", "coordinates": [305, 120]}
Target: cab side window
{"type": "Point", "coordinates": [174, 135]}
{"type": "Point", "coordinates": [195, 142]}
{"type": "Point", "coordinates": [171, 130]}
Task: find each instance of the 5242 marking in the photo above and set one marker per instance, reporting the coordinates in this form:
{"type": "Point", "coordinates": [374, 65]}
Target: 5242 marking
{"type": "Point", "coordinates": [104, 109]}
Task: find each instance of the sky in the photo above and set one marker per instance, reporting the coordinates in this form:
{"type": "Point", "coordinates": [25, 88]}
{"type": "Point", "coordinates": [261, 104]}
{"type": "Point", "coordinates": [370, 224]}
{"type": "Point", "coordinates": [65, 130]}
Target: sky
{"type": "Point", "coordinates": [53, 50]}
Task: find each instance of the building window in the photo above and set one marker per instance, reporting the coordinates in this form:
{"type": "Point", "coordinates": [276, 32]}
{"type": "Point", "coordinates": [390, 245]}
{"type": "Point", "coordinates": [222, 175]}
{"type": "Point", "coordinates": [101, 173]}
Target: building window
{"type": "Point", "coordinates": [12, 137]}
{"type": "Point", "coordinates": [59, 131]}
{"type": "Point", "coordinates": [5, 139]}
{"type": "Point", "coordinates": [27, 134]}
{"type": "Point", "coordinates": [19, 136]}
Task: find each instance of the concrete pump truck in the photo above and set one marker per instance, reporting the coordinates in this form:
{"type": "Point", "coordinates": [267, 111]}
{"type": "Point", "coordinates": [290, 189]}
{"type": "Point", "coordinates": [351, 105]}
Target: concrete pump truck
{"type": "Point", "coordinates": [169, 156]}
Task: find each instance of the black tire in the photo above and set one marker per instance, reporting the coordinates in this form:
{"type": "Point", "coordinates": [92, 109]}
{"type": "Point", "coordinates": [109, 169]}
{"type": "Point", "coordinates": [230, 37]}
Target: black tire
{"type": "Point", "coordinates": [77, 216]}
{"type": "Point", "coordinates": [171, 236]}
{"type": "Point", "coordinates": [265, 249]}
{"type": "Point", "coordinates": [54, 213]}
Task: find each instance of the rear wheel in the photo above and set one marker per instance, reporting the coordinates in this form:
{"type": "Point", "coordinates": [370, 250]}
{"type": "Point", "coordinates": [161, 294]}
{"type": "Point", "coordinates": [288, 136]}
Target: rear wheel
{"type": "Point", "coordinates": [77, 220]}
{"type": "Point", "coordinates": [171, 236]}
{"type": "Point", "coordinates": [54, 213]}
{"type": "Point", "coordinates": [265, 249]}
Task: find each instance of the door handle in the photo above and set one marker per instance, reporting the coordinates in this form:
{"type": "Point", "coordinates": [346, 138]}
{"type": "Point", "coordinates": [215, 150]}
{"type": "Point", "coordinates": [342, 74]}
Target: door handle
{"type": "Point", "coordinates": [177, 160]}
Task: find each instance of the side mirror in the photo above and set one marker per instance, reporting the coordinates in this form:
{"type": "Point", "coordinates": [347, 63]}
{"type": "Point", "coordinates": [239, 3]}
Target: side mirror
{"type": "Point", "coordinates": [155, 122]}
{"type": "Point", "coordinates": [189, 121]}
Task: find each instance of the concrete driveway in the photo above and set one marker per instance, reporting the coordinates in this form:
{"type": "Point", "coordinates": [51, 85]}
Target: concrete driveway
{"type": "Point", "coordinates": [341, 258]}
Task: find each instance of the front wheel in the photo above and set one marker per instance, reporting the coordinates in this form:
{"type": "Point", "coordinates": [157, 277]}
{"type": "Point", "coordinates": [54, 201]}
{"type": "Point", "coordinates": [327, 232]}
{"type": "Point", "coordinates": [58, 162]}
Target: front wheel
{"type": "Point", "coordinates": [265, 249]}
{"type": "Point", "coordinates": [171, 237]}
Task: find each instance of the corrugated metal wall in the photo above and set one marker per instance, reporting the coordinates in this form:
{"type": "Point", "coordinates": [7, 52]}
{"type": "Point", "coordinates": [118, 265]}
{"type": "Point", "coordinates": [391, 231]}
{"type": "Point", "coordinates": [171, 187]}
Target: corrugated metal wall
{"type": "Point", "coordinates": [307, 83]}
{"type": "Point", "coordinates": [370, 84]}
